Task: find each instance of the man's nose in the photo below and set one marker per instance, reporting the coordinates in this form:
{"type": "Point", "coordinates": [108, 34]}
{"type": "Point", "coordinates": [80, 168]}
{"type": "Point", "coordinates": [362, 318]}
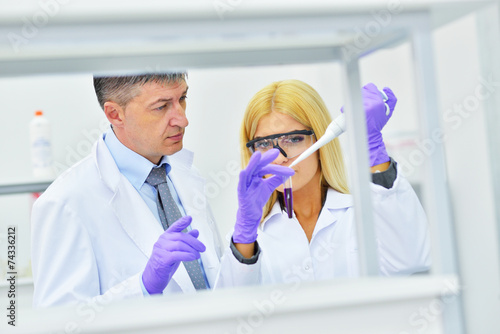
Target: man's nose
{"type": "Point", "coordinates": [179, 116]}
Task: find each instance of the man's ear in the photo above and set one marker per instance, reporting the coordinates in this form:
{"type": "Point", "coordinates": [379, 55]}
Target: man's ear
{"type": "Point", "coordinates": [114, 113]}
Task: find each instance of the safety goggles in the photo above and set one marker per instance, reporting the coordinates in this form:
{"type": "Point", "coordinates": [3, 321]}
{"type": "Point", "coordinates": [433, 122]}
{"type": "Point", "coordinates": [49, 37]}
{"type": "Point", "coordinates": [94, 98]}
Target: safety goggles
{"type": "Point", "coordinates": [290, 144]}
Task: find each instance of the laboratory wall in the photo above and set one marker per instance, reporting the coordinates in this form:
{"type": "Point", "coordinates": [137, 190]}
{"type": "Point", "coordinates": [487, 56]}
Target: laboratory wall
{"type": "Point", "coordinates": [464, 89]}
{"type": "Point", "coordinates": [216, 102]}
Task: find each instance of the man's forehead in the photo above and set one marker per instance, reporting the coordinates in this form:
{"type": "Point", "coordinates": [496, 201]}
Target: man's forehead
{"type": "Point", "coordinates": [164, 85]}
{"type": "Point", "coordinates": [153, 89]}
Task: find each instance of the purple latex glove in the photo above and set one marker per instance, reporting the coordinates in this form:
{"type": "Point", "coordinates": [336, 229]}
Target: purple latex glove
{"type": "Point", "coordinates": [376, 118]}
{"type": "Point", "coordinates": [172, 247]}
{"type": "Point", "coordinates": [254, 191]}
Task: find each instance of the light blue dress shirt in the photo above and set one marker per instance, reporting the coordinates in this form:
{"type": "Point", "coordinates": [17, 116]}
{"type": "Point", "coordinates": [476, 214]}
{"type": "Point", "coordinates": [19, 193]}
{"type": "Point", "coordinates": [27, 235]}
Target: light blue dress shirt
{"type": "Point", "coordinates": [136, 169]}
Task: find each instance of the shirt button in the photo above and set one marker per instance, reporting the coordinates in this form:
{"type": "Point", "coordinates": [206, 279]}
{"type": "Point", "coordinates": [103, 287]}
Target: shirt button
{"type": "Point", "coordinates": [306, 267]}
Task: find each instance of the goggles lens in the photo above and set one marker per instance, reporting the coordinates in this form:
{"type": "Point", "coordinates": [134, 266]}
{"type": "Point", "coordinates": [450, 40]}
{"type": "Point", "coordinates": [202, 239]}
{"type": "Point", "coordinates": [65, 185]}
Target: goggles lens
{"type": "Point", "coordinates": [292, 143]}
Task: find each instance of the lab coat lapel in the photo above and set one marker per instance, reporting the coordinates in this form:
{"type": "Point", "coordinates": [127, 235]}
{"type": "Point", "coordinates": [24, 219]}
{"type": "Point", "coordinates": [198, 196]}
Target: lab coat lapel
{"type": "Point", "coordinates": [138, 221]}
{"type": "Point", "coordinates": [190, 188]}
{"type": "Point", "coordinates": [329, 213]}
{"type": "Point", "coordinates": [131, 211]}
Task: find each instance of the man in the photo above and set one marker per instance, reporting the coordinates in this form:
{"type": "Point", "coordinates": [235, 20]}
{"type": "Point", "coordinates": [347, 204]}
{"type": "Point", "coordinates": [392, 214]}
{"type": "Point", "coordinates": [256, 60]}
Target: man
{"type": "Point", "coordinates": [106, 227]}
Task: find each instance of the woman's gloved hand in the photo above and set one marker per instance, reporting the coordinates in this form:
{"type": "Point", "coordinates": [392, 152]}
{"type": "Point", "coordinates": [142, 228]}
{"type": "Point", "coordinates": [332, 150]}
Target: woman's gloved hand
{"type": "Point", "coordinates": [172, 247]}
{"type": "Point", "coordinates": [376, 118]}
{"type": "Point", "coordinates": [254, 191]}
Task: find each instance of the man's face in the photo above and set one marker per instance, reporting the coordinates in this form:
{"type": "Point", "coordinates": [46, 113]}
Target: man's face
{"type": "Point", "coordinates": [153, 122]}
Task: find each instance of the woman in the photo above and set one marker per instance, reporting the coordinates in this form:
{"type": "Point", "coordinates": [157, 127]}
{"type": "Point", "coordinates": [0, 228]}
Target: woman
{"type": "Point", "coordinates": [319, 241]}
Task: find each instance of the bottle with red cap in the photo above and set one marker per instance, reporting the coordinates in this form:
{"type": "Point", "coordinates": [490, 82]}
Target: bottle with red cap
{"type": "Point", "coordinates": [41, 146]}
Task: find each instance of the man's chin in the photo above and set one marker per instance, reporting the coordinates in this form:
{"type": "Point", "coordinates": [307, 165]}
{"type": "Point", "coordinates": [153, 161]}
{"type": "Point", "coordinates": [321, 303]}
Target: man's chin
{"type": "Point", "coordinates": [174, 148]}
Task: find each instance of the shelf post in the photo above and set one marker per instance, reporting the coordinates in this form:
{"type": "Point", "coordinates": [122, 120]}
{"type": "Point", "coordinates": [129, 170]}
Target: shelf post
{"type": "Point", "coordinates": [435, 187]}
{"type": "Point", "coordinates": [359, 176]}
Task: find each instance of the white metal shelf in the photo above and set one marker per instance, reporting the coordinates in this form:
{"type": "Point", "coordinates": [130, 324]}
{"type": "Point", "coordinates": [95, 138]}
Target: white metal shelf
{"type": "Point", "coordinates": [95, 37]}
{"type": "Point", "coordinates": [385, 305]}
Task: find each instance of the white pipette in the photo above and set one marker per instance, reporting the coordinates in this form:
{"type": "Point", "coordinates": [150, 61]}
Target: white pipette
{"type": "Point", "coordinates": [335, 129]}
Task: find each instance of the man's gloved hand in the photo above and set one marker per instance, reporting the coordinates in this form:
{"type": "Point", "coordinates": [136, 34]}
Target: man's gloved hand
{"type": "Point", "coordinates": [172, 247]}
{"type": "Point", "coordinates": [376, 118]}
{"type": "Point", "coordinates": [254, 191]}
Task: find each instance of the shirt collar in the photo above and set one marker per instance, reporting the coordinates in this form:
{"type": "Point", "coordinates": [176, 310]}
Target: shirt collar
{"type": "Point", "coordinates": [334, 201]}
{"type": "Point", "coordinates": [132, 165]}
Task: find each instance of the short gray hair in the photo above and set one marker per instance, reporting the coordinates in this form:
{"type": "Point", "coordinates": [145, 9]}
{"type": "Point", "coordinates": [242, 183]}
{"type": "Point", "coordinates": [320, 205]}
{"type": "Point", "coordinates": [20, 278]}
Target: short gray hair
{"type": "Point", "coordinates": [122, 89]}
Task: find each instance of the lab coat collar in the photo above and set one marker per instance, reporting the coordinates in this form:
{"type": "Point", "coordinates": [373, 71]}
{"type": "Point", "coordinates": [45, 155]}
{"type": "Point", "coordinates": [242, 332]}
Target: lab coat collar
{"type": "Point", "coordinates": [135, 167]}
{"type": "Point", "coordinates": [104, 162]}
{"type": "Point", "coordinates": [274, 213]}
{"type": "Point", "coordinates": [334, 201]}
{"type": "Point", "coordinates": [335, 204]}
{"type": "Point", "coordinates": [110, 173]}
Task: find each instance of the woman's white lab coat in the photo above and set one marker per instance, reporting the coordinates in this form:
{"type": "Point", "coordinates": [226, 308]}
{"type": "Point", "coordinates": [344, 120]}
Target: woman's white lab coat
{"type": "Point", "coordinates": [287, 256]}
{"type": "Point", "coordinates": [92, 233]}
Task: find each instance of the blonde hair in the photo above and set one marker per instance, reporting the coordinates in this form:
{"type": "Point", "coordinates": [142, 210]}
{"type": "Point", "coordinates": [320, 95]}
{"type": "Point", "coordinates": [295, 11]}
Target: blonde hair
{"type": "Point", "coordinates": [301, 102]}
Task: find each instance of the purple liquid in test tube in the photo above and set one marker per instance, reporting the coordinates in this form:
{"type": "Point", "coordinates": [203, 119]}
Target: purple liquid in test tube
{"type": "Point", "coordinates": [287, 194]}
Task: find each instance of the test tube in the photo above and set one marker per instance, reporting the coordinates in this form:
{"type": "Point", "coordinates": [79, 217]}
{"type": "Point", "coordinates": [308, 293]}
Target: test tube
{"type": "Point", "coordinates": [287, 194]}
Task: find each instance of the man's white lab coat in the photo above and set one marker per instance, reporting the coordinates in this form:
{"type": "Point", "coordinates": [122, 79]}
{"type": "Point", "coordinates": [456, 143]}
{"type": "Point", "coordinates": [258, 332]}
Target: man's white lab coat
{"type": "Point", "coordinates": [92, 233]}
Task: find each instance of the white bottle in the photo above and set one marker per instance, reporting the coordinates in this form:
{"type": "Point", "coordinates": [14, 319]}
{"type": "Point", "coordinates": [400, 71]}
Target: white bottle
{"type": "Point", "coordinates": [41, 147]}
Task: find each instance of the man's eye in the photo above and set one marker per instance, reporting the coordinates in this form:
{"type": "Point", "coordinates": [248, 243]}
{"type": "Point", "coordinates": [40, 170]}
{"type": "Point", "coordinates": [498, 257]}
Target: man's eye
{"type": "Point", "coordinates": [183, 98]}
{"type": "Point", "coordinates": [164, 106]}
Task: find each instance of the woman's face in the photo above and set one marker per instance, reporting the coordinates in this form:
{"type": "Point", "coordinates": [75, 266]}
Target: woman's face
{"type": "Point", "coordinates": [307, 172]}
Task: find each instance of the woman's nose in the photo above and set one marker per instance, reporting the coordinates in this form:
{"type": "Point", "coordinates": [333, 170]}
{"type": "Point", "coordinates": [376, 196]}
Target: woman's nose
{"type": "Point", "coordinates": [276, 145]}
{"type": "Point", "coordinates": [281, 159]}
